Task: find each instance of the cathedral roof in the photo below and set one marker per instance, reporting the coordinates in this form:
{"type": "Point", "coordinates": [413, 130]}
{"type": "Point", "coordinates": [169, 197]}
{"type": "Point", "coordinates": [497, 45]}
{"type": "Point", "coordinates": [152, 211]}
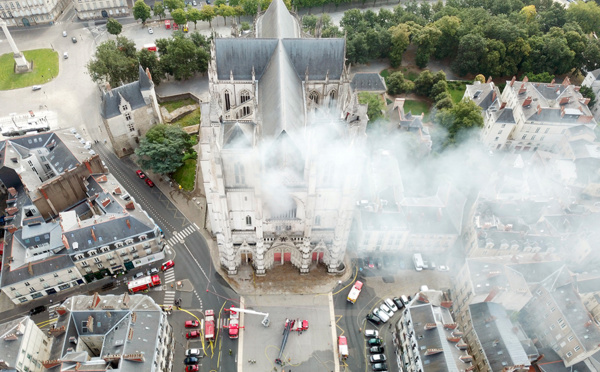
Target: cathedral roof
{"type": "Point", "coordinates": [237, 135]}
{"type": "Point", "coordinates": [321, 57]}
{"type": "Point", "coordinates": [239, 56]}
{"type": "Point", "coordinates": [277, 22]}
{"type": "Point", "coordinates": [282, 100]}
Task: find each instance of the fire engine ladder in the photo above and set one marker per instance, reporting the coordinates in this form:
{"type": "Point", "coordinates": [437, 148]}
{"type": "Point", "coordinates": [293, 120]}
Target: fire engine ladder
{"type": "Point", "coordinates": [289, 324]}
{"type": "Point", "coordinates": [265, 322]}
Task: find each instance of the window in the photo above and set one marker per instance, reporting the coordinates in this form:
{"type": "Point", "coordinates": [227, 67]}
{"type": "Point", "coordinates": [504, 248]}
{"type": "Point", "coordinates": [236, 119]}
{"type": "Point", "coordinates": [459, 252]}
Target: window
{"type": "Point", "coordinates": [128, 116]}
{"type": "Point", "coordinates": [245, 111]}
{"type": "Point", "coordinates": [27, 284]}
{"type": "Point", "coordinates": [537, 129]}
{"type": "Point", "coordinates": [497, 138]}
{"type": "Point", "coordinates": [227, 100]}
{"type": "Point", "coordinates": [240, 177]}
{"type": "Point", "coordinates": [331, 98]}
{"type": "Point", "coordinates": [314, 96]}
{"type": "Point", "coordinates": [31, 289]}
{"type": "Point", "coordinates": [563, 325]}
{"type": "Point", "coordinates": [577, 348]}
{"type": "Point", "coordinates": [500, 132]}
{"type": "Point", "coordinates": [569, 354]}
{"type": "Point", "coordinates": [248, 220]}
{"type": "Point", "coordinates": [571, 338]}
{"type": "Point", "coordinates": [99, 265]}
{"type": "Point", "coordinates": [542, 138]}
{"type": "Point", "coordinates": [124, 108]}
{"type": "Point", "coordinates": [503, 125]}
{"type": "Point", "coordinates": [244, 96]}
{"type": "Point", "coordinates": [96, 259]}
{"type": "Point", "coordinates": [524, 136]}
{"type": "Point", "coordinates": [547, 130]}
{"type": "Point", "coordinates": [317, 220]}
{"type": "Point", "coordinates": [41, 280]}
{"type": "Point", "coordinates": [552, 327]}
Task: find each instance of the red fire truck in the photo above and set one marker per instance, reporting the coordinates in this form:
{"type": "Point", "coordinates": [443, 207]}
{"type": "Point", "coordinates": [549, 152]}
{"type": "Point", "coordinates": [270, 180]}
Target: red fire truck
{"type": "Point", "coordinates": [143, 283]}
{"type": "Point", "coordinates": [209, 325]}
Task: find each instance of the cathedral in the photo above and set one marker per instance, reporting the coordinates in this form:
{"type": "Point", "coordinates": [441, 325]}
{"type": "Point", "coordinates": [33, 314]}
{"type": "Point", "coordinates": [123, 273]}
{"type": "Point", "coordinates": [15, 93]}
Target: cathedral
{"type": "Point", "coordinates": [281, 147]}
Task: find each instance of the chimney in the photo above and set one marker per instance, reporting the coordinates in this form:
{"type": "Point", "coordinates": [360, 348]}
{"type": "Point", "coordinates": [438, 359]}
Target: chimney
{"type": "Point", "coordinates": [130, 206]}
{"type": "Point", "coordinates": [525, 79]}
{"type": "Point", "coordinates": [502, 105]}
{"type": "Point", "coordinates": [55, 332]}
{"type": "Point", "coordinates": [93, 234]}
{"type": "Point", "coordinates": [134, 357]}
{"type": "Point", "coordinates": [566, 82]}
{"type": "Point", "coordinates": [61, 310]}
{"type": "Point", "coordinates": [586, 101]}
{"type": "Point", "coordinates": [513, 81]}
{"type": "Point", "coordinates": [90, 323]}
{"type": "Point", "coordinates": [30, 268]}
{"type": "Point", "coordinates": [539, 110]}
{"type": "Point", "coordinates": [489, 80]}
{"type": "Point", "coordinates": [494, 96]}
{"type": "Point", "coordinates": [48, 363]}
{"type": "Point", "coordinates": [527, 102]}
{"type": "Point", "coordinates": [125, 303]}
{"type": "Point", "coordinates": [522, 89]}
{"type": "Point", "coordinates": [148, 74]}
{"type": "Point", "coordinates": [128, 223]}
{"type": "Point", "coordinates": [95, 301]}
{"type": "Point", "coordinates": [552, 83]}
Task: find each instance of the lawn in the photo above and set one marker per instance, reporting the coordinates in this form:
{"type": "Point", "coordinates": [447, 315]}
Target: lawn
{"type": "Point", "coordinates": [457, 90]}
{"type": "Point", "coordinates": [193, 118]}
{"type": "Point", "coordinates": [186, 174]}
{"type": "Point", "coordinates": [416, 108]}
{"type": "Point", "coordinates": [45, 68]}
{"type": "Point", "coordinates": [174, 105]}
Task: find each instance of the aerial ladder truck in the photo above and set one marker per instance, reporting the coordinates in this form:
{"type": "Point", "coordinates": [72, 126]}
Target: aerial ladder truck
{"type": "Point", "coordinates": [234, 321]}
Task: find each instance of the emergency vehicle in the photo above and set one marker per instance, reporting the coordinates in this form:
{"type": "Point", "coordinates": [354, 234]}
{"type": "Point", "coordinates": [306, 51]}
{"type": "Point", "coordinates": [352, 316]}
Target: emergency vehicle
{"type": "Point", "coordinates": [209, 325]}
{"type": "Point", "coordinates": [355, 291]}
{"type": "Point", "coordinates": [144, 283]}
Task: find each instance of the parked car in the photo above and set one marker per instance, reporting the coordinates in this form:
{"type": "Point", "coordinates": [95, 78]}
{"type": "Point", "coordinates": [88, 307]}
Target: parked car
{"type": "Point", "coordinates": [443, 268]}
{"type": "Point", "coordinates": [373, 319]}
{"type": "Point", "coordinates": [138, 275]}
{"type": "Point", "coordinates": [64, 33]}
{"type": "Point", "coordinates": [140, 174]}
{"type": "Point", "coordinates": [190, 360]}
{"type": "Point", "coordinates": [376, 349]}
{"type": "Point", "coordinates": [153, 271]}
{"type": "Point", "coordinates": [192, 334]}
{"type": "Point", "coordinates": [150, 30]}
{"type": "Point", "coordinates": [167, 265]}
{"type": "Point", "coordinates": [404, 299]}
{"type": "Point", "coordinates": [193, 353]}
{"type": "Point", "coordinates": [192, 368]}
{"type": "Point", "coordinates": [37, 310]}
{"type": "Point", "coordinates": [381, 315]}
{"type": "Point", "coordinates": [377, 358]}
{"type": "Point", "coordinates": [149, 182]}
{"type": "Point", "coordinates": [371, 333]}
{"type": "Point", "coordinates": [374, 342]}
{"type": "Point", "coordinates": [194, 3]}
{"type": "Point", "coordinates": [66, 55]}
{"type": "Point", "coordinates": [36, 87]}
{"type": "Point", "coordinates": [379, 367]}
{"type": "Point", "coordinates": [398, 302]}
{"type": "Point", "coordinates": [386, 310]}
{"type": "Point", "coordinates": [191, 324]}
{"type": "Point", "coordinates": [74, 40]}
{"type": "Point", "coordinates": [391, 304]}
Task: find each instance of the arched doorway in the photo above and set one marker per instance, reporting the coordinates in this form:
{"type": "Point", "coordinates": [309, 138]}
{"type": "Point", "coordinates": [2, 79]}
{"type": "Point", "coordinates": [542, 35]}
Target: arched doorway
{"type": "Point", "coordinates": [26, 22]}
{"type": "Point", "coordinates": [104, 14]}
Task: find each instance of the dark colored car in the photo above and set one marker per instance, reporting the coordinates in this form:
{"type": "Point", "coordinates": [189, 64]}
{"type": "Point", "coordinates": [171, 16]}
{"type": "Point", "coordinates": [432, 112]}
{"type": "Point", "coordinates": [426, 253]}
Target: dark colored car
{"type": "Point", "coordinates": [74, 40]}
{"type": "Point", "coordinates": [37, 310]}
{"type": "Point", "coordinates": [140, 174]}
{"type": "Point", "coordinates": [149, 182]}
{"type": "Point", "coordinates": [373, 319]}
{"type": "Point", "coordinates": [190, 360]}
{"type": "Point", "coordinates": [398, 303]}
{"type": "Point", "coordinates": [376, 350]}
{"type": "Point", "coordinates": [192, 334]}
{"type": "Point", "coordinates": [374, 342]}
{"type": "Point", "coordinates": [379, 367]}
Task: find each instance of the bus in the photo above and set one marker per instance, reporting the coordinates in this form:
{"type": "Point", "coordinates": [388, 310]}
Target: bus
{"type": "Point", "coordinates": [355, 291]}
{"type": "Point", "coordinates": [418, 261]}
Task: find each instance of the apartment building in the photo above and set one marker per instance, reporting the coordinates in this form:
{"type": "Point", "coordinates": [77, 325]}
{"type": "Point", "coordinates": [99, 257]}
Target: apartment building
{"type": "Point", "coordinates": [529, 116]}
{"type": "Point", "coordinates": [592, 80]}
{"type": "Point", "coordinates": [23, 346]}
{"type": "Point", "coordinates": [25, 13]}
{"type": "Point", "coordinates": [126, 333]}
{"type": "Point", "coordinates": [492, 340]}
{"type": "Point", "coordinates": [99, 9]}
{"type": "Point", "coordinates": [427, 339]}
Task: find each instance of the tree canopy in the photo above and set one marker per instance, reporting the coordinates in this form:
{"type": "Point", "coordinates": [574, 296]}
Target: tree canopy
{"type": "Point", "coordinates": [141, 11]}
{"type": "Point", "coordinates": [459, 118]}
{"type": "Point", "coordinates": [115, 62]}
{"type": "Point", "coordinates": [113, 26]}
{"type": "Point", "coordinates": [163, 148]}
{"type": "Point", "coordinates": [374, 103]}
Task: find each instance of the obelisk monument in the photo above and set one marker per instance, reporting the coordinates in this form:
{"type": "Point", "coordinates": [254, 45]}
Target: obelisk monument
{"type": "Point", "coordinates": [21, 64]}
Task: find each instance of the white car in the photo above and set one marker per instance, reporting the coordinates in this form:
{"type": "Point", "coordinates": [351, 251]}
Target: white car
{"type": "Point", "coordinates": [138, 275]}
{"type": "Point", "coordinates": [377, 358]}
{"type": "Point", "coordinates": [150, 30]}
{"type": "Point", "coordinates": [193, 352]}
{"type": "Point", "coordinates": [371, 333]}
{"type": "Point", "coordinates": [64, 33]}
{"type": "Point", "coordinates": [443, 268]}
{"type": "Point", "coordinates": [388, 301]}
{"type": "Point", "coordinates": [381, 315]}
{"type": "Point", "coordinates": [386, 310]}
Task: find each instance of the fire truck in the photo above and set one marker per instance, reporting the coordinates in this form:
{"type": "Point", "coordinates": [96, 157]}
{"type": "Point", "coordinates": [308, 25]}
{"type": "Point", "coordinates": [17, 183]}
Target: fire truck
{"type": "Point", "coordinates": [144, 283]}
{"type": "Point", "coordinates": [343, 348]}
{"type": "Point", "coordinates": [234, 320]}
{"type": "Point", "coordinates": [209, 325]}
{"type": "Point", "coordinates": [355, 291]}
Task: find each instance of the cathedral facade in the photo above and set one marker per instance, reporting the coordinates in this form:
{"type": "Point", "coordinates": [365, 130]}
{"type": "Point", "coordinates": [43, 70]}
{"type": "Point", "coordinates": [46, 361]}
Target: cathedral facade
{"type": "Point", "coordinates": [281, 147]}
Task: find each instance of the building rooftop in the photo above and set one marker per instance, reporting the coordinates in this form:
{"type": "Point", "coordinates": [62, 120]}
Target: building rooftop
{"type": "Point", "coordinates": [368, 82]}
{"type": "Point", "coordinates": [9, 350]}
{"type": "Point", "coordinates": [132, 93]}
{"type": "Point", "coordinates": [493, 328]}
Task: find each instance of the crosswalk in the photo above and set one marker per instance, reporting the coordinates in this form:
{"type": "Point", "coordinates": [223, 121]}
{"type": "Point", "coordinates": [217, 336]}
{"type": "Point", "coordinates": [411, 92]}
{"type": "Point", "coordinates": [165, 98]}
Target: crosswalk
{"type": "Point", "coordinates": [169, 299]}
{"type": "Point", "coordinates": [181, 235]}
{"type": "Point", "coordinates": [169, 276]}
{"type": "Point", "coordinates": [52, 311]}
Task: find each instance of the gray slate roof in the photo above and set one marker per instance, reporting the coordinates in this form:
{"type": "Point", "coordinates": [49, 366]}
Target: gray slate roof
{"type": "Point", "coordinates": [277, 22]}
{"type": "Point", "coordinates": [320, 56]}
{"type": "Point", "coordinates": [132, 93]}
{"type": "Point", "coordinates": [368, 82]}
{"type": "Point", "coordinates": [239, 56]}
{"type": "Point", "coordinates": [500, 344]}
{"type": "Point", "coordinates": [281, 103]}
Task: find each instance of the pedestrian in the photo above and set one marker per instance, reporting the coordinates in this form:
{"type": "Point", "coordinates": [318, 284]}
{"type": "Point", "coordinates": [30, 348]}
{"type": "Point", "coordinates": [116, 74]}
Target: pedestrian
{"type": "Point", "coordinates": [230, 352]}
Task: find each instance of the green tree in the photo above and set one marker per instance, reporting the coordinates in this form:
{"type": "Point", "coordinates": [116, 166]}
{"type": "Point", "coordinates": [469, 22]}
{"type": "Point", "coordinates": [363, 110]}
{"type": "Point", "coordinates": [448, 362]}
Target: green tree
{"type": "Point", "coordinates": [225, 11]}
{"type": "Point", "coordinates": [309, 23]}
{"type": "Point", "coordinates": [179, 16]}
{"type": "Point", "coordinates": [208, 14]}
{"type": "Point", "coordinates": [424, 83]}
{"type": "Point", "coordinates": [459, 118]}
{"type": "Point", "coordinates": [357, 49]}
{"type": "Point", "coordinates": [444, 103]}
{"type": "Point", "coordinates": [115, 62]}
{"type": "Point", "coordinates": [426, 40]}
{"type": "Point", "coordinates": [113, 26]}
{"type": "Point", "coordinates": [591, 55]}
{"type": "Point", "coordinates": [351, 20]}
{"type": "Point", "coordinates": [374, 103]}
{"type": "Point", "coordinates": [182, 57]}
{"type": "Point", "coordinates": [543, 77]}
{"type": "Point", "coordinates": [471, 52]}
{"type": "Point", "coordinates": [148, 59]}
{"type": "Point", "coordinates": [159, 10]}
{"type": "Point", "coordinates": [588, 92]}
{"type": "Point", "coordinates": [173, 4]}
{"type": "Point", "coordinates": [400, 38]}
{"type": "Point", "coordinates": [194, 15]}
{"type": "Point", "coordinates": [587, 15]}
{"type": "Point", "coordinates": [437, 89]}
{"type": "Point", "coordinates": [250, 7]}
{"type": "Point", "coordinates": [480, 78]}
{"type": "Point", "coordinates": [141, 11]}
{"type": "Point", "coordinates": [397, 84]}
{"type": "Point", "coordinates": [163, 148]}
{"type": "Point", "coordinates": [448, 41]}
{"type": "Point", "coordinates": [529, 12]}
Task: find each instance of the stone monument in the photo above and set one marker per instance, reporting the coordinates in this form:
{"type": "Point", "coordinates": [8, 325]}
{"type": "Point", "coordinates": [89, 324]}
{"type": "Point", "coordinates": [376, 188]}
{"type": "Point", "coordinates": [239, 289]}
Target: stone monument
{"type": "Point", "coordinates": [21, 64]}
